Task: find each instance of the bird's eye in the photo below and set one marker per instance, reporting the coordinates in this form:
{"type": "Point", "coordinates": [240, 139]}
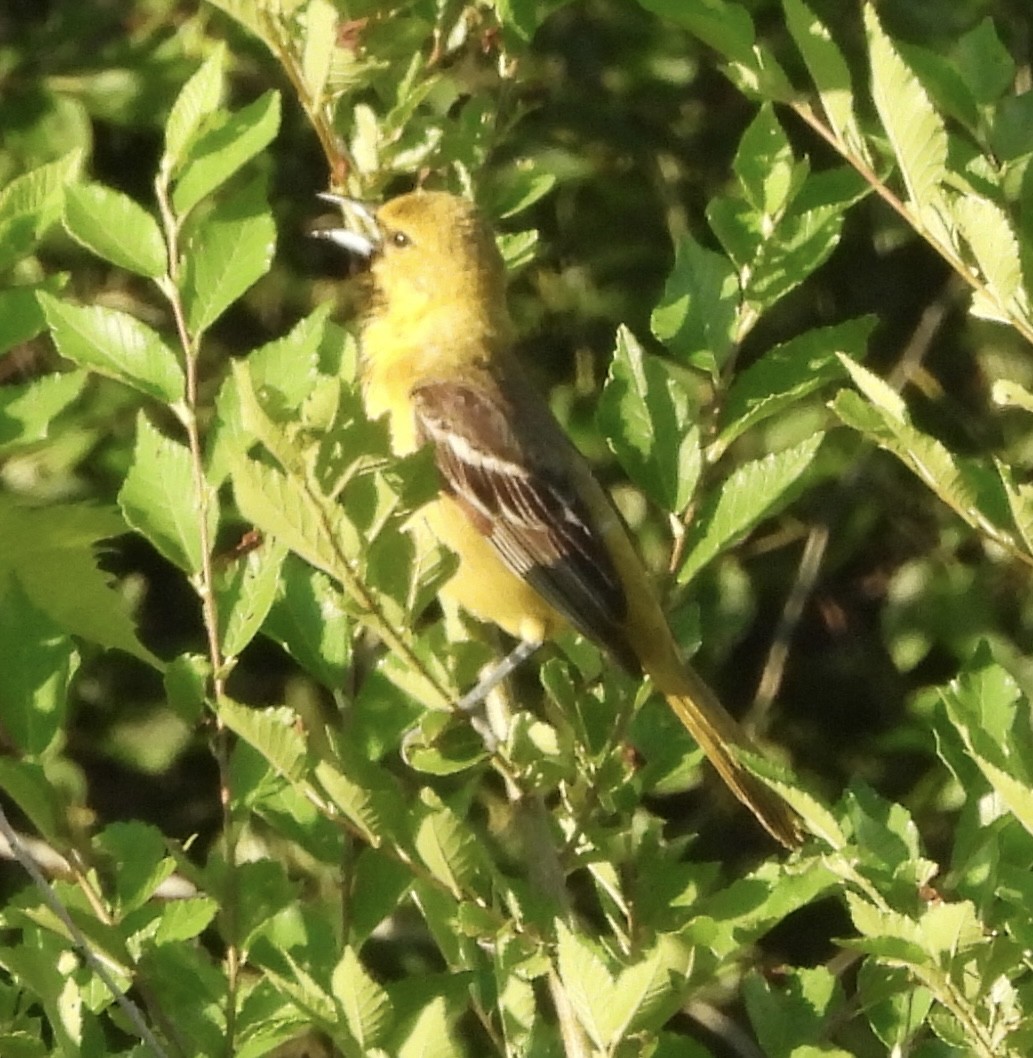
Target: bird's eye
{"type": "Point", "coordinates": [399, 238]}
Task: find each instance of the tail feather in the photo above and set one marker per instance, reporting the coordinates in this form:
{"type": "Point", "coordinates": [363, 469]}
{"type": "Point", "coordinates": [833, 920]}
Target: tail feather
{"type": "Point", "coordinates": [718, 734]}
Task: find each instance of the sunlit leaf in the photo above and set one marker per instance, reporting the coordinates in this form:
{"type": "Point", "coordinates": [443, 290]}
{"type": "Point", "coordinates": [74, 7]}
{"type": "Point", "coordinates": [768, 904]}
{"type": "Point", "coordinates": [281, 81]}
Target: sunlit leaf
{"type": "Point", "coordinates": [114, 227]}
{"type": "Point", "coordinates": [117, 345]}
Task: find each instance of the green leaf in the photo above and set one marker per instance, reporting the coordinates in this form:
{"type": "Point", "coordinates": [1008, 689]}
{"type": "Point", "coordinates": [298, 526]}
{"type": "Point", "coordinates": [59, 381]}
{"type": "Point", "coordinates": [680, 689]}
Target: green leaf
{"type": "Point", "coordinates": [751, 492]}
{"type": "Point", "coordinates": [30, 203]}
{"type": "Point", "coordinates": [117, 345]}
{"type": "Point", "coordinates": [984, 63]}
{"type": "Point", "coordinates": [39, 663]}
{"type": "Point", "coordinates": [309, 621]}
{"type": "Point", "coordinates": [993, 242]}
{"type": "Point", "coordinates": [158, 497]}
{"type": "Point", "coordinates": [365, 794]}
{"type": "Point", "coordinates": [183, 920]}
{"type": "Point", "coordinates": [231, 251]}
{"type": "Point", "coordinates": [517, 187]}
{"type": "Point", "coordinates": [217, 154]}
{"type": "Point", "coordinates": [51, 552]}
{"type": "Point", "coordinates": [829, 71]}
{"type": "Point", "coordinates": [279, 504]}
{"type": "Point", "coordinates": [697, 314]}
{"type": "Point", "coordinates": [365, 1005]}
{"type": "Point", "coordinates": [198, 98]}
{"type": "Point", "coordinates": [320, 41]}
{"type": "Point", "coordinates": [786, 374]}
{"type": "Point", "coordinates": [447, 845]}
{"type": "Point", "coordinates": [587, 982]}
{"type": "Point", "coordinates": [725, 27]}
{"type": "Point", "coordinates": [140, 862]}
{"type": "Point", "coordinates": [245, 591]}
{"type": "Point", "coordinates": [985, 706]}
{"type": "Point", "coordinates": [916, 132]}
{"type": "Point", "coordinates": [430, 1036]}
{"type": "Point", "coordinates": [281, 375]}
{"type": "Point", "coordinates": [895, 1008]}
{"type": "Point", "coordinates": [801, 243]}
{"type": "Point", "coordinates": [885, 420]}
{"type": "Point", "coordinates": [273, 732]}
{"type": "Point", "coordinates": [21, 316]}
{"type": "Point", "coordinates": [649, 991]}
{"type": "Point", "coordinates": [765, 165]}
{"type": "Point", "coordinates": [26, 411]}
{"type": "Point", "coordinates": [29, 787]}
{"type": "Point", "coordinates": [795, 1013]}
{"type": "Point", "coordinates": [186, 686]}
{"type": "Point", "coordinates": [646, 416]}
{"type": "Point", "coordinates": [114, 227]}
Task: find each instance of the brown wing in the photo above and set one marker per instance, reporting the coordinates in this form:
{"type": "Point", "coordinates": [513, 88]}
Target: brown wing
{"type": "Point", "coordinates": [494, 459]}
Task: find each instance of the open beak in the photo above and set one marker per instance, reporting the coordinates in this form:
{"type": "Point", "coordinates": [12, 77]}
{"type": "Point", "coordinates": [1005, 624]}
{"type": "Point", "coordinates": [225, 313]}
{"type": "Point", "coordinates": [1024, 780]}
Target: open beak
{"type": "Point", "coordinates": [361, 235]}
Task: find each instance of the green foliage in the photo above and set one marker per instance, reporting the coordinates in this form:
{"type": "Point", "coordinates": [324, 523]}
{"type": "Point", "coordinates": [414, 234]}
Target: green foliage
{"type": "Point", "coordinates": [366, 869]}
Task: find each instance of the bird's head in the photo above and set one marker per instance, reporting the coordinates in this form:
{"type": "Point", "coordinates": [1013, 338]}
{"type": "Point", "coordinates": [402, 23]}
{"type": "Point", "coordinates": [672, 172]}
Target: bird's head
{"type": "Point", "coordinates": [423, 243]}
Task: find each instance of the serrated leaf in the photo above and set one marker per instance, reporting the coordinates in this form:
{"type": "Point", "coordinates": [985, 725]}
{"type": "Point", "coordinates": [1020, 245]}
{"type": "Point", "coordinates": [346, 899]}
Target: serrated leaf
{"type": "Point", "coordinates": [217, 154]}
{"type": "Point", "coordinates": [985, 707]}
{"type": "Point", "coordinates": [828, 70]}
{"type": "Point", "coordinates": [802, 243]}
{"type": "Point", "coordinates": [232, 251]}
{"type": "Point", "coordinates": [915, 130]}
{"type": "Point", "coordinates": [246, 591]}
{"type": "Point", "coordinates": [696, 316]}
{"type": "Point", "coordinates": [993, 242]}
{"type": "Point", "coordinates": [646, 416]}
{"type": "Point", "coordinates": [587, 982]}
{"type": "Point", "coordinates": [198, 98]}
{"type": "Point", "coordinates": [649, 989]}
{"type": "Point", "coordinates": [447, 845]}
{"type": "Point", "coordinates": [116, 228]}
{"type": "Point", "coordinates": [787, 373]}
{"type": "Point", "coordinates": [278, 504]}
{"type": "Point", "coordinates": [273, 732]}
{"type": "Point", "coordinates": [430, 1036]}
{"type": "Point", "coordinates": [26, 411]}
{"type": "Point", "coordinates": [365, 794]}
{"type": "Point", "coordinates": [183, 920]}
{"type": "Point", "coordinates": [39, 663]}
{"type": "Point", "coordinates": [309, 621]}
{"type": "Point", "coordinates": [749, 494]}
{"type": "Point", "coordinates": [117, 345]}
{"type": "Point", "coordinates": [817, 818]}
{"type": "Point", "coordinates": [30, 203]}
{"type": "Point", "coordinates": [365, 1005]}
{"type": "Point", "coordinates": [1020, 502]}
{"type": "Point", "coordinates": [765, 164]}
{"type": "Point", "coordinates": [158, 497]}
{"type": "Point", "coordinates": [51, 550]}
{"type": "Point", "coordinates": [964, 488]}
{"type": "Point", "coordinates": [140, 860]}
{"type": "Point", "coordinates": [890, 935]}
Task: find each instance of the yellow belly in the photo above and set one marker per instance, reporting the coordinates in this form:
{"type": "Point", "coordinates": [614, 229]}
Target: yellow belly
{"type": "Point", "coordinates": [483, 585]}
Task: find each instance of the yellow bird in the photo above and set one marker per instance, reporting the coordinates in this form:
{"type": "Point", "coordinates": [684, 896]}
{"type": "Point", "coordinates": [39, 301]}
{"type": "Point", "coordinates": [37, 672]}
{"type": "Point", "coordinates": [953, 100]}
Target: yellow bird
{"type": "Point", "coordinates": [540, 545]}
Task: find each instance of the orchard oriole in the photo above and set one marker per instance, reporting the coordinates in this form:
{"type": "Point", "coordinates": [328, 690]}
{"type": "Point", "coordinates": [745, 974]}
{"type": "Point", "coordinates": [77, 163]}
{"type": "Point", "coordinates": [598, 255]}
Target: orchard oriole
{"type": "Point", "coordinates": [539, 543]}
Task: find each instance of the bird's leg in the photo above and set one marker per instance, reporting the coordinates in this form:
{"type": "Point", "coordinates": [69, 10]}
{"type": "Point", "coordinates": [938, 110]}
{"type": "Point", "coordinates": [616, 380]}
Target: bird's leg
{"type": "Point", "coordinates": [513, 660]}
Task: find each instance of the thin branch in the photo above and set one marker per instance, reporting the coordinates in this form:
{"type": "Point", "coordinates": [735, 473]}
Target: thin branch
{"type": "Point", "coordinates": [204, 584]}
{"type": "Point", "coordinates": [78, 938]}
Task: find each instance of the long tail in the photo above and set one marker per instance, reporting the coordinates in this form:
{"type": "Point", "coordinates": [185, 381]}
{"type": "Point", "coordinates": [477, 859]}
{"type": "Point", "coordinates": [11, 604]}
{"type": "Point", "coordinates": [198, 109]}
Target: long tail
{"type": "Point", "coordinates": [718, 734]}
